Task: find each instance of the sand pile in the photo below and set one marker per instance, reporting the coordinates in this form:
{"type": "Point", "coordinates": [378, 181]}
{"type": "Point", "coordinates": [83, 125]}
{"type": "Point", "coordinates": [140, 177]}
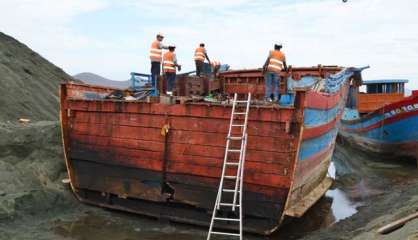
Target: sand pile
{"type": "Point", "coordinates": [31, 156]}
{"type": "Point", "coordinates": [28, 83]}
{"type": "Point", "coordinates": [31, 169]}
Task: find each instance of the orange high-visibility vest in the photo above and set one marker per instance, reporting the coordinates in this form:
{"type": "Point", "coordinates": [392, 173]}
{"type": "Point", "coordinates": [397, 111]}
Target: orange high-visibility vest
{"type": "Point", "coordinates": [168, 62]}
{"type": "Point", "coordinates": [199, 54]}
{"type": "Point", "coordinates": [276, 61]}
{"type": "Point", "coordinates": [156, 52]}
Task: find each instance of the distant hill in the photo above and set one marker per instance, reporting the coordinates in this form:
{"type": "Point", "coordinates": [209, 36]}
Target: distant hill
{"type": "Point", "coordinates": [29, 84]}
{"type": "Point", "coordinates": [94, 79]}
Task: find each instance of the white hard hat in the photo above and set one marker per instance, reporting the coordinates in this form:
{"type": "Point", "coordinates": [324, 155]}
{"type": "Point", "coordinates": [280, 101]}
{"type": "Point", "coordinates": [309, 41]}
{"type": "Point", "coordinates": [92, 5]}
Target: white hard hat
{"type": "Point", "coordinates": [172, 45]}
{"type": "Point", "coordinates": [160, 34]}
{"type": "Point", "coordinates": [279, 44]}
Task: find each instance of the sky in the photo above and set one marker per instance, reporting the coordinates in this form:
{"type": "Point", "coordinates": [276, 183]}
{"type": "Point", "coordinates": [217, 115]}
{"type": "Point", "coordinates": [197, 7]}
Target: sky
{"type": "Point", "coordinates": [112, 37]}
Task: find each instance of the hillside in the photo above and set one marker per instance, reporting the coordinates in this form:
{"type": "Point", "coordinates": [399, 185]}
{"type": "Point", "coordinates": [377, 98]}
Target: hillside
{"type": "Point", "coordinates": [94, 79]}
{"type": "Point", "coordinates": [29, 83]}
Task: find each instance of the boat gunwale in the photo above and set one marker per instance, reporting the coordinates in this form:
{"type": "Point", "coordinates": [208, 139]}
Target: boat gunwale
{"type": "Point", "coordinates": [208, 104]}
{"type": "Point", "coordinates": [380, 110]}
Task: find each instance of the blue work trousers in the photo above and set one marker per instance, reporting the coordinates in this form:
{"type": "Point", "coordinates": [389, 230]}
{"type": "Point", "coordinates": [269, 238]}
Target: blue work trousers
{"type": "Point", "coordinates": [155, 73]}
{"type": "Point", "coordinates": [272, 78]}
{"type": "Point", "coordinates": [170, 77]}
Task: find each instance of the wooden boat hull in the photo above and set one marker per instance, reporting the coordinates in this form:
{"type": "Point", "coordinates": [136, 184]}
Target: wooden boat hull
{"type": "Point", "coordinates": [391, 131]}
{"type": "Point", "coordinates": [118, 157]}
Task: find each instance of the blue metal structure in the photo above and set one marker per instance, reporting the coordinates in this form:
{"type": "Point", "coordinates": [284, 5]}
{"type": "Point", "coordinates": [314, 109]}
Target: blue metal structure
{"type": "Point", "coordinates": [141, 82]}
{"type": "Point", "coordinates": [208, 70]}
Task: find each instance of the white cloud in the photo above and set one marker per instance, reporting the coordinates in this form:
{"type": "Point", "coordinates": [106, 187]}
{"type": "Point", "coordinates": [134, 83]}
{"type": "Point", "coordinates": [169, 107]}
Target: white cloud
{"type": "Point", "coordinates": [382, 33]}
{"type": "Point", "coordinates": [44, 25]}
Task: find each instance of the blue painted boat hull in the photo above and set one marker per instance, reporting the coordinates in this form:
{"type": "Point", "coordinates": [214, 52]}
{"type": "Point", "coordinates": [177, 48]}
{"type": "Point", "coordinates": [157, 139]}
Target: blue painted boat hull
{"type": "Point", "coordinates": [391, 131]}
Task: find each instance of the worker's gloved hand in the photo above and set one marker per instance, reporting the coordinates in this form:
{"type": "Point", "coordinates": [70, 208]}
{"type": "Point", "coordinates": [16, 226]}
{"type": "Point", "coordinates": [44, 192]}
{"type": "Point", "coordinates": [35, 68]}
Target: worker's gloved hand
{"type": "Point", "coordinates": [179, 67]}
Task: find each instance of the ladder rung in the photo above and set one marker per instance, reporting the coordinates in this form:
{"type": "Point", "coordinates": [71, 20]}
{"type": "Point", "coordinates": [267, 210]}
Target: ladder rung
{"type": "Point", "coordinates": [230, 177]}
{"type": "Point", "coordinates": [241, 101]}
{"type": "Point", "coordinates": [232, 163]}
{"type": "Point", "coordinates": [234, 138]}
{"type": "Point", "coordinates": [227, 219]}
{"type": "Point", "coordinates": [226, 234]}
{"type": "Point", "coordinates": [228, 204]}
{"type": "Point", "coordinates": [238, 125]}
{"type": "Point", "coordinates": [239, 113]}
{"type": "Point", "coordinates": [229, 190]}
{"type": "Point", "coordinates": [234, 150]}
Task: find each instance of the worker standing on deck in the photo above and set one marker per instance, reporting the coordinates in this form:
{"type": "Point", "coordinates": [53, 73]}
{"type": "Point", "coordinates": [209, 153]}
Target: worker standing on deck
{"type": "Point", "coordinates": [169, 68]}
{"type": "Point", "coordinates": [275, 63]}
{"type": "Point", "coordinates": [156, 54]}
{"type": "Point", "coordinates": [199, 58]}
{"type": "Point", "coordinates": [216, 65]}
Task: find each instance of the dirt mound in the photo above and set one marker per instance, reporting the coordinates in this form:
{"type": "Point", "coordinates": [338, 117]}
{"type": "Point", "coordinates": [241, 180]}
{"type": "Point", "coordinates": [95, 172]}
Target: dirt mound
{"type": "Point", "coordinates": [31, 156]}
{"type": "Point", "coordinates": [29, 83]}
{"type": "Point", "coordinates": [31, 169]}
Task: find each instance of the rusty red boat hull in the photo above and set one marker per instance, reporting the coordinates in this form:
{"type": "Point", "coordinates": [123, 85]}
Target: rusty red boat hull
{"type": "Point", "coordinates": [117, 157]}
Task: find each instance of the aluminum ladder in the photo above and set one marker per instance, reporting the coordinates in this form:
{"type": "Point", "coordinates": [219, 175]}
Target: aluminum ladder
{"type": "Point", "coordinates": [240, 108]}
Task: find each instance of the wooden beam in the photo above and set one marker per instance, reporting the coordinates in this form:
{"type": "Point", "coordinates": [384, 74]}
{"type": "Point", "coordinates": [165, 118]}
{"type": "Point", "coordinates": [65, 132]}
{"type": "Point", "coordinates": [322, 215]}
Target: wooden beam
{"type": "Point", "coordinates": [397, 224]}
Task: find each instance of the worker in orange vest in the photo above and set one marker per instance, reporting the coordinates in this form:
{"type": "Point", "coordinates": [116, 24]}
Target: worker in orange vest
{"type": "Point", "coordinates": [199, 57]}
{"type": "Point", "coordinates": [275, 63]}
{"type": "Point", "coordinates": [156, 53]}
{"type": "Point", "coordinates": [215, 67]}
{"type": "Point", "coordinates": [169, 68]}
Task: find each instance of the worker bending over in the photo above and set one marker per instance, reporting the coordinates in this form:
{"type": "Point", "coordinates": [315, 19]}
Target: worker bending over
{"type": "Point", "coordinates": [275, 63]}
{"type": "Point", "coordinates": [199, 58]}
{"type": "Point", "coordinates": [216, 65]}
{"type": "Point", "coordinates": [156, 54]}
{"type": "Point", "coordinates": [169, 68]}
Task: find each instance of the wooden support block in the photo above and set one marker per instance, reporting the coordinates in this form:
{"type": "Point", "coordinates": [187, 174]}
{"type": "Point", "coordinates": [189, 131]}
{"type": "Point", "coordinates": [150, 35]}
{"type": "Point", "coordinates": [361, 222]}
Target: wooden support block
{"type": "Point", "coordinates": [24, 120]}
{"type": "Point", "coordinates": [167, 100]}
{"type": "Point", "coordinates": [152, 99]}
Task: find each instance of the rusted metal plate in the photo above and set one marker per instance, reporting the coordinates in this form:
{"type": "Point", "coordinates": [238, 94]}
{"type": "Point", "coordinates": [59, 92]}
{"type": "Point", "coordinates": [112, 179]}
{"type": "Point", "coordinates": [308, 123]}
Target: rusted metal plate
{"type": "Point", "coordinates": [120, 137]}
{"type": "Point", "coordinates": [252, 80]}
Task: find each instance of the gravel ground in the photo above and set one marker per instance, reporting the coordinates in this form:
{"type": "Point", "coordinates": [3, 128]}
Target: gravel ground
{"type": "Point", "coordinates": [387, 190]}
